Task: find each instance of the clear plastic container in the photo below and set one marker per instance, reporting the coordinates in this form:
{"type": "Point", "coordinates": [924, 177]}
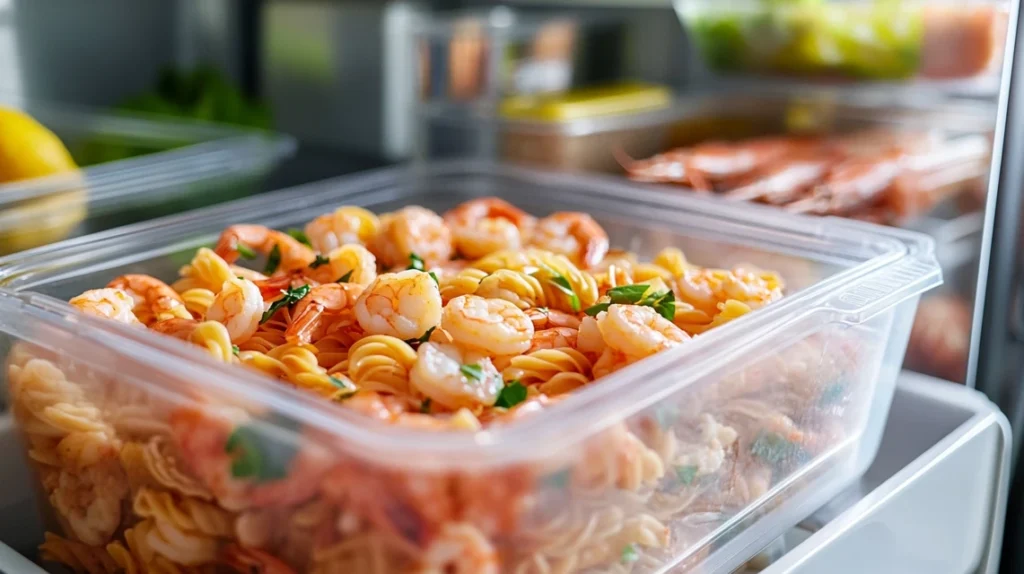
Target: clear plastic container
{"type": "Point", "coordinates": [133, 168]}
{"type": "Point", "coordinates": [629, 474]}
{"type": "Point", "coordinates": [852, 40]}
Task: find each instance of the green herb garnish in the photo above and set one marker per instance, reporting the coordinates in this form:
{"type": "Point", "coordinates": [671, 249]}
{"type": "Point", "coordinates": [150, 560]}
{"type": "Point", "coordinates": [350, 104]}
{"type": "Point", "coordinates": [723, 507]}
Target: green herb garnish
{"type": "Point", "coordinates": [773, 449]}
{"type": "Point", "coordinates": [473, 371]}
{"type": "Point", "coordinates": [664, 302]}
{"type": "Point", "coordinates": [511, 395]}
{"type": "Point", "coordinates": [562, 284]}
{"type": "Point", "coordinates": [273, 260]}
{"type": "Point", "coordinates": [257, 456]}
{"type": "Point", "coordinates": [629, 554]}
{"type": "Point", "coordinates": [291, 297]}
{"type": "Point", "coordinates": [320, 260]}
{"type": "Point", "coordinates": [416, 262]}
{"type": "Point", "coordinates": [340, 383]}
{"type": "Point", "coordinates": [425, 406]}
{"type": "Point", "coordinates": [831, 395]}
{"type": "Point", "coordinates": [344, 278]}
{"type": "Point", "coordinates": [300, 236]}
{"type": "Point", "coordinates": [434, 277]}
{"type": "Point", "coordinates": [686, 474]}
{"type": "Point", "coordinates": [245, 251]}
{"type": "Point", "coordinates": [235, 350]}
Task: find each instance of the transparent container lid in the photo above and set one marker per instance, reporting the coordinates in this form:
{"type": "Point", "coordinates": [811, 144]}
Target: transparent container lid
{"type": "Point", "coordinates": [838, 336]}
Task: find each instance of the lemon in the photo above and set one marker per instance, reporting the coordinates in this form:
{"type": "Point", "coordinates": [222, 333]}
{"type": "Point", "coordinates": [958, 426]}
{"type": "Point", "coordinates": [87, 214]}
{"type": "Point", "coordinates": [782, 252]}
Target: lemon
{"type": "Point", "coordinates": [29, 150]}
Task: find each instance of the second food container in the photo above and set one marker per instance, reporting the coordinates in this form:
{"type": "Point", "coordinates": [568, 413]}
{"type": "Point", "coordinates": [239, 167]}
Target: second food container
{"type": "Point", "coordinates": [695, 457]}
{"type": "Point", "coordinates": [132, 168]}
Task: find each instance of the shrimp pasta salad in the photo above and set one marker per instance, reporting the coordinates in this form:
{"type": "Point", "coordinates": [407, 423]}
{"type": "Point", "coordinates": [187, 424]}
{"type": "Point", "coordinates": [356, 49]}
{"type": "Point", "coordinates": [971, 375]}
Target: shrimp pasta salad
{"type": "Point", "coordinates": [461, 322]}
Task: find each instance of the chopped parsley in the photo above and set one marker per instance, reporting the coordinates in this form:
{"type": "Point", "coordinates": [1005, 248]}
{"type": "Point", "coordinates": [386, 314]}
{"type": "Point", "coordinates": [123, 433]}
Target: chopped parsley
{"type": "Point", "coordinates": [245, 251]}
{"type": "Point", "coordinates": [663, 302]}
{"type": "Point", "coordinates": [473, 371]}
{"type": "Point", "coordinates": [291, 297]}
{"type": "Point", "coordinates": [434, 277]}
{"type": "Point", "coordinates": [235, 350]}
{"type": "Point", "coordinates": [558, 281]}
{"type": "Point", "coordinates": [630, 554]}
{"type": "Point", "coordinates": [416, 262]}
{"type": "Point", "coordinates": [273, 260]}
{"type": "Point", "coordinates": [425, 406]}
{"type": "Point", "coordinates": [320, 260]}
{"type": "Point", "coordinates": [832, 394]}
{"type": "Point", "coordinates": [257, 456]}
{"type": "Point", "coordinates": [300, 236]}
{"type": "Point", "coordinates": [511, 395]}
{"type": "Point", "coordinates": [341, 383]}
{"type": "Point", "coordinates": [686, 474]}
{"type": "Point", "coordinates": [344, 278]}
{"type": "Point", "coordinates": [558, 480]}
{"type": "Point", "coordinates": [773, 449]}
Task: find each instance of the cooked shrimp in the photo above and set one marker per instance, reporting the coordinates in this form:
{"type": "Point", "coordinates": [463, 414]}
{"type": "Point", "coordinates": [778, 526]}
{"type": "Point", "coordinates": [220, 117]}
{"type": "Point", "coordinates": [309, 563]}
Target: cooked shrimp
{"type": "Point", "coordinates": [177, 328]}
{"type": "Point", "coordinates": [573, 234]}
{"type": "Point", "coordinates": [89, 490]}
{"type": "Point", "coordinates": [554, 338]}
{"type": "Point", "coordinates": [451, 377]}
{"type": "Point", "coordinates": [460, 549]}
{"type": "Point", "coordinates": [344, 226]}
{"type": "Point", "coordinates": [544, 318]}
{"type": "Point", "coordinates": [488, 224]}
{"type": "Point", "coordinates": [492, 326]}
{"type": "Point", "coordinates": [589, 339]}
{"type": "Point", "coordinates": [353, 263]}
{"type": "Point", "coordinates": [208, 441]}
{"type": "Point", "coordinates": [154, 299]}
{"type": "Point", "coordinates": [609, 362]}
{"type": "Point", "coordinates": [113, 304]}
{"type": "Point", "coordinates": [410, 231]}
{"type": "Point", "coordinates": [237, 238]}
{"type": "Point", "coordinates": [252, 561]}
{"type": "Point", "coordinates": [378, 406]}
{"type": "Point", "coordinates": [316, 311]}
{"type": "Point", "coordinates": [638, 331]}
{"type": "Point", "coordinates": [239, 307]}
{"type": "Point", "coordinates": [404, 305]}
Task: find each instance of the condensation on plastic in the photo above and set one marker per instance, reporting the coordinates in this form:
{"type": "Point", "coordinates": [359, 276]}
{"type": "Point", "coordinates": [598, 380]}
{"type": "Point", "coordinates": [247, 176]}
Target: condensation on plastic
{"type": "Point", "coordinates": [826, 356]}
{"type": "Point", "coordinates": [191, 164]}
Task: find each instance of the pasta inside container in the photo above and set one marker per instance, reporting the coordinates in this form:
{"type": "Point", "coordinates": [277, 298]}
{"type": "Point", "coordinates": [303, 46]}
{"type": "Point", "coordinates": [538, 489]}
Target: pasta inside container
{"type": "Point", "coordinates": [692, 459]}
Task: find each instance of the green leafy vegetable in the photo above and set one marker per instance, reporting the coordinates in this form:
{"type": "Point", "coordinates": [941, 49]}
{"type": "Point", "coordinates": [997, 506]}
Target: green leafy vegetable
{"type": "Point", "coordinates": [630, 554]}
{"type": "Point", "coordinates": [416, 262]}
{"type": "Point", "coordinates": [344, 278]}
{"type": "Point", "coordinates": [300, 236]}
{"type": "Point", "coordinates": [273, 260]}
{"type": "Point", "coordinates": [258, 456]}
{"type": "Point", "coordinates": [340, 383]}
{"type": "Point", "coordinates": [235, 350]}
{"type": "Point", "coordinates": [595, 309]}
{"type": "Point", "coordinates": [434, 277]}
{"type": "Point", "coordinates": [473, 371]}
{"type": "Point", "coordinates": [245, 251]}
{"type": "Point", "coordinates": [511, 395]}
{"type": "Point", "coordinates": [425, 406]}
{"type": "Point", "coordinates": [321, 260]}
{"type": "Point", "coordinates": [686, 474]}
{"type": "Point", "coordinates": [664, 302]}
{"type": "Point", "coordinates": [291, 297]}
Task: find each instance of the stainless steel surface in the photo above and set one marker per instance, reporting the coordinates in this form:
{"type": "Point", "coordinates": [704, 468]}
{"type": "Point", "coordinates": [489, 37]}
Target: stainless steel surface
{"type": "Point", "coordinates": [341, 73]}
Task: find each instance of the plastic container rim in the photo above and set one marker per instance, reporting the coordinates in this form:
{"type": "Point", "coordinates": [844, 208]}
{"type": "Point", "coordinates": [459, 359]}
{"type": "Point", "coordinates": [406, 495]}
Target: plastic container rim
{"type": "Point", "coordinates": [903, 267]}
